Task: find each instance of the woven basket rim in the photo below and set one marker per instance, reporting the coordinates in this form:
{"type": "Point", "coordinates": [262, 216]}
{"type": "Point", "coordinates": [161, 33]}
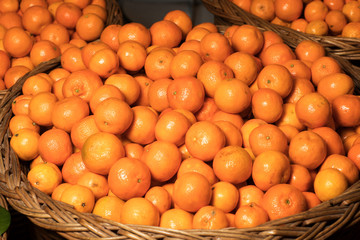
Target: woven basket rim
{"type": "Point", "coordinates": [329, 217]}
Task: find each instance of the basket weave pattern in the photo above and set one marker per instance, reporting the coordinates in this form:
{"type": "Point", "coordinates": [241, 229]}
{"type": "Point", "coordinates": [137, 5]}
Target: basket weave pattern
{"type": "Point", "coordinates": [325, 220]}
{"type": "Point", "coordinates": [344, 50]}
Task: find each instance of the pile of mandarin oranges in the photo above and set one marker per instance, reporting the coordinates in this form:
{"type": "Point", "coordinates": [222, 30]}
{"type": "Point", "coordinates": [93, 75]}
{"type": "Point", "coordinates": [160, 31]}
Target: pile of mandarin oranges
{"type": "Point", "coordinates": [176, 125]}
{"type": "Point", "coordinates": [319, 17]}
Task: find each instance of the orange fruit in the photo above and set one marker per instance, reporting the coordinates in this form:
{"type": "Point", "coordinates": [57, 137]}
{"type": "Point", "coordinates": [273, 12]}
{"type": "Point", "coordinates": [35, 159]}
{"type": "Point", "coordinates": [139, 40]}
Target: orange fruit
{"type": "Point", "coordinates": [323, 67]}
{"type": "Point", "coordinates": [354, 155]}
{"type": "Point", "coordinates": [5, 63]}
{"type": "Point", "coordinates": [299, 25]}
{"type": "Point", "coordinates": [185, 64]}
{"type": "Point", "coordinates": [235, 119]}
{"type": "Point", "coordinates": [144, 83]}
{"type": "Point", "coordinates": [133, 150]}
{"type": "Point", "coordinates": [351, 30]}
{"type": "Point", "coordinates": [199, 166]}
{"type": "Point", "coordinates": [345, 109]}
{"type": "Point", "coordinates": [289, 130]}
{"type": "Point", "coordinates": [157, 63]}
{"type": "Point", "coordinates": [100, 151]}
{"type": "Point", "coordinates": [211, 73]}
{"type": "Point", "coordinates": [288, 10]}
{"type": "Point", "coordinates": [142, 127]}
{"type": "Point", "coordinates": [298, 69]}
{"type": "Point", "coordinates": [68, 111]}
{"type": "Point", "coordinates": [329, 183]}
{"type": "Point", "coordinates": [104, 62]}
{"type": "Point", "coordinates": [113, 115]}
{"type": "Point", "coordinates": [82, 83]}
{"type": "Point", "coordinates": [267, 137]}
{"type": "Point", "coordinates": [313, 110]}
{"type": "Point", "coordinates": [102, 93]}
{"type": "Point", "coordinates": [215, 46]}
{"type": "Point", "coordinates": [35, 18]}
{"type": "Point", "coordinates": [10, 20]}
{"type": "Point", "coordinates": [232, 164]}
{"type": "Point", "coordinates": [25, 144]}
{"type": "Point", "coordinates": [315, 10]}
{"type": "Point", "coordinates": [96, 9]}
{"type": "Point", "coordinates": [9, 6]}
{"type": "Point", "coordinates": [180, 18]}
{"type": "Point", "coordinates": [225, 93]}
{"type": "Point", "coordinates": [35, 84]}
{"type": "Point", "coordinates": [165, 33]}
{"type": "Point", "coordinates": [336, 21]}
{"type": "Point", "coordinates": [135, 31]}
{"type": "Point", "coordinates": [96, 183]}
{"type": "Point", "coordinates": [308, 50]}
{"type": "Point", "coordinates": [20, 104]}
{"type": "Point", "coordinates": [45, 177]}
{"type": "Point", "coordinates": [267, 105]}
{"type": "Point", "coordinates": [192, 191]}
{"type": "Point", "coordinates": [139, 211]}
{"type": "Point", "coordinates": [22, 121]}
{"type": "Point", "coordinates": [243, 65]}
{"type": "Point", "coordinates": [276, 77]}
{"type": "Point", "coordinates": [80, 197]}
{"type": "Point", "coordinates": [243, 4]}
{"type": "Point", "coordinates": [110, 36]}
{"type": "Point", "coordinates": [247, 128]}
{"type": "Point", "coordinates": [187, 93]}
{"type": "Point", "coordinates": [71, 59]}
{"type": "Point", "coordinates": [42, 51]}
{"type": "Point", "coordinates": [176, 218]}
{"type": "Point", "coordinates": [159, 197]}
{"type": "Point", "coordinates": [264, 9]}
{"type": "Point", "coordinates": [300, 178]}
{"type": "Point", "coordinates": [127, 85]}
{"type": "Point", "coordinates": [172, 127]}
{"type": "Point", "coordinates": [163, 159]}
{"type": "Point", "coordinates": [73, 168]}
{"type": "Point", "coordinates": [83, 129]}
{"type": "Point", "coordinates": [301, 87]}
{"type": "Point", "coordinates": [250, 215]}
{"type": "Point", "coordinates": [277, 53]}
{"type": "Point", "coordinates": [225, 196]}
{"type": "Point", "coordinates": [58, 191]}
{"type": "Point", "coordinates": [89, 26]}
{"type": "Point", "coordinates": [270, 168]}
{"type": "Point", "coordinates": [207, 25]}
{"type": "Point", "coordinates": [197, 34]}
{"type": "Point", "coordinates": [232, 133]}
{"type": "Point", "coordinates": [308, 149]}
{"type": "Point", "coordinates": [332, 139]}
{"type": "Point", "coordinates": [41, 107]}
{"type": "Point", "coordinates": [344, 165]}
{"type": "Point", "coordinates": [334, 85]}
{"type": "Point", "coordinates": [283, 200]}
{"type": "Point", "coordinates": [334, 4]}
{"type": "Point", "coordinates": [17, 42]}
{"type": "Point", "coordinates": [351, 11]}
{"type": "Point", "coordinates": [317, 27]}
{"type": "Point", "coordinates": [210, 217]}
{"type": "Point", "coordinates": [247, 38]}
{"type": "Point", "coordinates": [55, 146]}
{"type": "Point", "coordinates": [190, 45]}
{"type": "Point", "coordinates": [289, 117]}
{"type": "Point", "coordinates": [158, 94]}
{"type": "Point", "coordinates": [132, 55]}
{"type": "Point", "coordinates": [109, 207]}
{"type": "Point", "coordinates": [311, 199]}
{"type": "Point", "coordinates": [204, 139]}
{"type": "Point", "coordinates": [67, 14]}
{"type": "Point", "coordinates": [131, 169]}
{"type": "Point", "coordinates": [250, 194]}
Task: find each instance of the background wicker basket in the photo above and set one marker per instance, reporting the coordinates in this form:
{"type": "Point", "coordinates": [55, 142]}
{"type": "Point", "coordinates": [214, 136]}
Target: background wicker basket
{"type": "Point", "coordinates": [345, 50]}
{"type": "Point", "coordinates": [58, 220]}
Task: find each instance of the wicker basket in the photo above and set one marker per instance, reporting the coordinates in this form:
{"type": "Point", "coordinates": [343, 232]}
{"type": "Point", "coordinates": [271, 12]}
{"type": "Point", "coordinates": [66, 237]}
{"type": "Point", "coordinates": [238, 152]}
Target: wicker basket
{"type": "Point", "coordinates": [325, 220]}
{"type": "Point", "coordinates": [345, 50]}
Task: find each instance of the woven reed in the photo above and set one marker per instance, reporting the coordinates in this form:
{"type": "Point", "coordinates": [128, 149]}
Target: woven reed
{"type": "Point", "coordinates": [345, 50]}
{"type": "Point", "coordinates": [60, 220]}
